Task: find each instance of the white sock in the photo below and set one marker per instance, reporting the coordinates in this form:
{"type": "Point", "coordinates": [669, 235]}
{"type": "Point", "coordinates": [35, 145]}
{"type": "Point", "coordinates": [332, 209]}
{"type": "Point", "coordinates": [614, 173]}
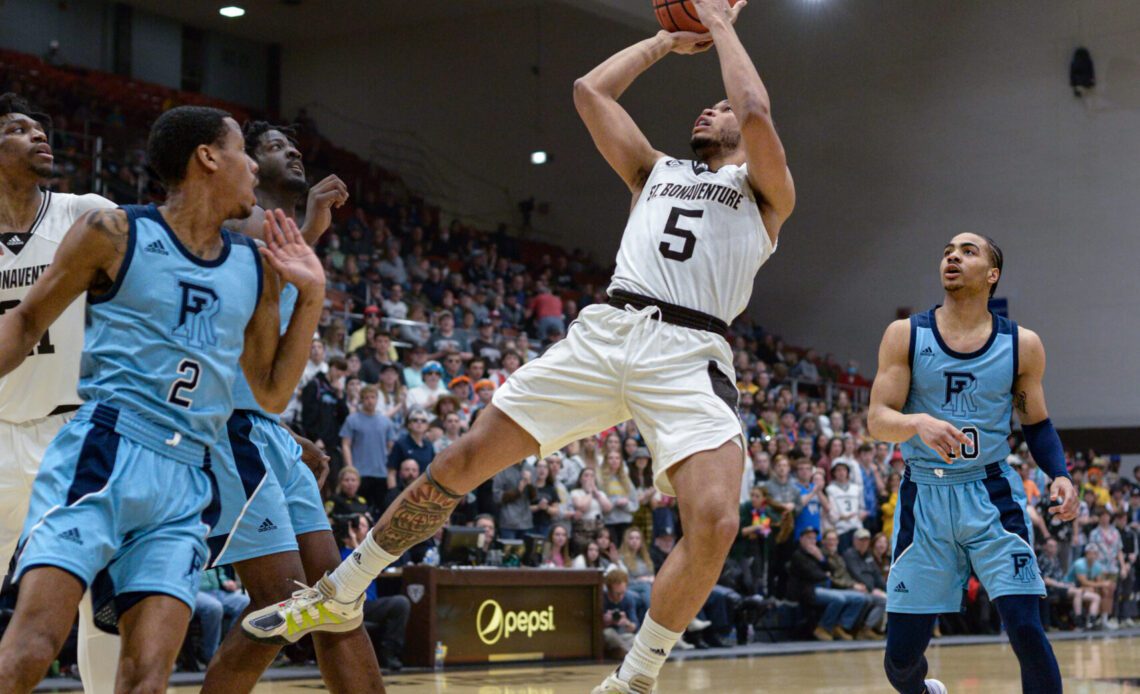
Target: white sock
{"type": "Point", "coordinates": [650, 650]}
{"type": "Point", "coordinates": [98, 652]}
{"type": "Point", "coordinates": [360, 569]}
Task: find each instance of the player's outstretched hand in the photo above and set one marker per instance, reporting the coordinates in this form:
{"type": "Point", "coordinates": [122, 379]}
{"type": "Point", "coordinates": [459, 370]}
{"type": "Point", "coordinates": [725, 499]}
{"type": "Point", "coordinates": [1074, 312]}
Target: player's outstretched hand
{"type": "Point", "coordinates": [943, 437]}
{"type": "Point", "coordinates": [1064, 498]}
{"type": "Point", "coordinates": [330, 193]}
{"type": "Point", "coordinates": [709, 11]}
{"type": "Point", "coordinates": [288, 254]}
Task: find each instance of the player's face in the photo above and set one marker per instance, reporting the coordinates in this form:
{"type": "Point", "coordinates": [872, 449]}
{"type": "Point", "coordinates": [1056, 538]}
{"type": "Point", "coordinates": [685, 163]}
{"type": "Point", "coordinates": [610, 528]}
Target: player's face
{"type": "Point", "coordinates": [966, 265]}
{"type": "Point", "coordinates": [280, 163]}
{"type": "Point", "coordinates": [715, 129]}
{"type": "Point", "coordinates": [24, 147]}
{"type": "Point", "coordinates": [236, 176]}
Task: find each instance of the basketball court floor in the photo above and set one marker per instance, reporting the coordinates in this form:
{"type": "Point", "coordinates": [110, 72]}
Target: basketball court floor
{"type": "Point", "coordinates": [1090, 665]}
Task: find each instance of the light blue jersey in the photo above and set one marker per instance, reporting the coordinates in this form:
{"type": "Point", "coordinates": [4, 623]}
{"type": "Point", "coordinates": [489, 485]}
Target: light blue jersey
{"type": "Point", "coordinates": [974, 392]}
{"type": "Point", "coordinates": [166, 340]}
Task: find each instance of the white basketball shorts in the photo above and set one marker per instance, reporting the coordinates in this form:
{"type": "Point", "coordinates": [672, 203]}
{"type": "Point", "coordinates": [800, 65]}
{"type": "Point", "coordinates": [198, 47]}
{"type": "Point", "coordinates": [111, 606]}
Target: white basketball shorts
{"type": "Point", "coordinates": [22, 448]}
{"type": "Point", "coordinates": [676, 383]}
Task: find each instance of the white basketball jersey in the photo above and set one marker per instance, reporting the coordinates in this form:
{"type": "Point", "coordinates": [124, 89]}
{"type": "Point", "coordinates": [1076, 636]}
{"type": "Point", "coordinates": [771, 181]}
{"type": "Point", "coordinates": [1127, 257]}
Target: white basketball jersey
{"type": "Point", "coordinates": [48, 377]}
{"type": "Point", "coordinates": [695, 238]}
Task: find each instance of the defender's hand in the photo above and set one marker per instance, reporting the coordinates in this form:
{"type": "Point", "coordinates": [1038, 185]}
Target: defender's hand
{"type": "Point", "coordinates": [288, 254]}
{"type": "Point", "coordinates": [315, 459]}
{"type": "Point", "coordinates": [942, 437]}
{"type": "Point", "coordinates": [330, 193]}
{"type": "Point", "coordinates": [1062, 491]}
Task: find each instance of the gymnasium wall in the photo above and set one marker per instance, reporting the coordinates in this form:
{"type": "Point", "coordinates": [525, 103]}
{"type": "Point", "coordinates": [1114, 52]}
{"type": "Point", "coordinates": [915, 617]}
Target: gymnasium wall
{"type": "Point", "coordinates": [904, 123]}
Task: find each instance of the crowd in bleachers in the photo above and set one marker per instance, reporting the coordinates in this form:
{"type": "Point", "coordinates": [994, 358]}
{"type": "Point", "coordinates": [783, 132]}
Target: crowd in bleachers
{"type": "Point", "coordinates": [425, 320]}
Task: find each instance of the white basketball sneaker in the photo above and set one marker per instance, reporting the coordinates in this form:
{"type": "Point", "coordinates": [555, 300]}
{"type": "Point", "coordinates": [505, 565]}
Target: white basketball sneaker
{"type": "Point", "coordinates": [935, 687]}
{"type": "Point", "coordinates": [640, 684]}
{"type": "Point", "coordinates": [309, 610]}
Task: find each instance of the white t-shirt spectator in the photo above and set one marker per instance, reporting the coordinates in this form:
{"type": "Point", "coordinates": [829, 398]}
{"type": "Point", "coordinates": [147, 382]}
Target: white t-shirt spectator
{"type": "Point", "coordinates": [395, 309]}
{"type": "Point", "coordinates": [846, 504]}
{"type": "Point", "coordinates": [423, 397]}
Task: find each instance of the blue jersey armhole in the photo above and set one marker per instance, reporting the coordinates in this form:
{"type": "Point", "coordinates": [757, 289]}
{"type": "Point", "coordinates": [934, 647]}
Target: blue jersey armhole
{"type": "Point", "coordinates": [132, 211]}
{"type": "Point", "coordinates": [257, 262]}
{"type": "Point", "coordinates": [1013, 331]}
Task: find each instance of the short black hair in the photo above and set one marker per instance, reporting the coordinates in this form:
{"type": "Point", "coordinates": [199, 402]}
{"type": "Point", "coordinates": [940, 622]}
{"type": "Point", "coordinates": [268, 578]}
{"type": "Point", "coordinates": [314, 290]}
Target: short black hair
{"type": "Point", "coordinates": [253, 131]}
{"type": "Point", "coordinates": [175, 136]}
{"type": "Point", "coordinates": [11, 103]}
{"type": "Point", "coordinates": [997, 258]}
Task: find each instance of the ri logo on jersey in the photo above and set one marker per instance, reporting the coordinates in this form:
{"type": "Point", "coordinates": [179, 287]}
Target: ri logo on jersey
{"type": "Point", "coordinates": [960, 388]}
{"type": "Point", "coordinates": [199, 305]}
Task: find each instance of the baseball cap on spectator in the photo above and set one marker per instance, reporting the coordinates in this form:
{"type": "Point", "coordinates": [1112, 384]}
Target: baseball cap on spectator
{"type": "Point", "coordinates": [641, 452]}
{"type": "Point", "coordinates": [389, 365]}
{"type": "Point", "coordinates": [663, 529]}
{"type": "Point", "coordinates": [418, 415]}
{"type": "Point", "coordinates": [556, 455]}
{"type": "Point", "coordinates": [370, 310]}
{"type": "Point", "coordinates": [459, 380]}
{"type": "Point", "coordinates": [839, 461]}
{"type": "Point", "coordinates": [897, 455]}
{"type": "Point", "coordinates": [862, 534]}
{"type": "Point", "coordinates": [431, 367]}
{"type": "Point", "coordinates": [484, 383]}
{"type": "Point", "coordinates": [485, 320]}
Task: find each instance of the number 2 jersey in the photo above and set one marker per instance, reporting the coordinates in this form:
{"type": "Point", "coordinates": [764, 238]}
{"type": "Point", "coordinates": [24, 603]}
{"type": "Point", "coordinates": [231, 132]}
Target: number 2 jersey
{"type": "Point", "coordinates": [46, 380]}
{"type": "Point", "coordinates": [973, 391]}
{"type": "Point", "coordinates": [695, 239]}
{"type": "Point", "coordinates": [166, 340]}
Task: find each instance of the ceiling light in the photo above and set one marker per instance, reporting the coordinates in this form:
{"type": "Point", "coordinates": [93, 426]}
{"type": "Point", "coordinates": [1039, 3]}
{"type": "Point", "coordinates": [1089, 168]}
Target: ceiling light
{"type": "Point", "coordinates": [231, 11]}
{"type": "Point", "coordinates": [538, 158]}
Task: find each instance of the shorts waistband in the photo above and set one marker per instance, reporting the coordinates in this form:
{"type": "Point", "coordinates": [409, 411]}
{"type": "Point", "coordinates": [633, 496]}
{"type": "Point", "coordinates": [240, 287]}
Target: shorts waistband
{"type": "Point", "coordinates": [133, 426]}
{"type": "Point", "coordinates": [670, 313]}
{"type": "Point", "coordinates": [951, 476]}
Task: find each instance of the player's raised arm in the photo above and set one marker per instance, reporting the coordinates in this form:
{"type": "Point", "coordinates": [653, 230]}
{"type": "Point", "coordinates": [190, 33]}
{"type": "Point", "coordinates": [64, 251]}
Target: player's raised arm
{"type": "Point", "coordinates": [767, 164]}
{"type": "Point", "coordinates": [617, 137]}
{"type": "Point", "coordinates": [1040, 435]}
{"type": "Point", "coordinates": [88, 258]}
{"type": "Point", "coordinates": [885, 418]}
{"type": "Point", "coordinates": [273, 362]}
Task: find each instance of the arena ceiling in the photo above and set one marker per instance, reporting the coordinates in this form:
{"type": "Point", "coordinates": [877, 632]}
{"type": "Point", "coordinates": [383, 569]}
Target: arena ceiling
{"type": "Point", "coordinates": [297, 21]}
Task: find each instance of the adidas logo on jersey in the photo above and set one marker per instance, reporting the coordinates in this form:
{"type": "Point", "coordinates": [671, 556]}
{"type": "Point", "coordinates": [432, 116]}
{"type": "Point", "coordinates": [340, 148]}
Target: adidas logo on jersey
{"type": "Point", "coordinates": [72, 536]}
{"type": "Point", "coordinates": [926, 352]}
{"type": "Point", "coordinates": [15, 241]}
{"type": "Point", "coordinates": [156, 247]}
{"type": "Point", "coordinates": [266, 526]}
{"type": "Point", "coordinates": [901, 588]}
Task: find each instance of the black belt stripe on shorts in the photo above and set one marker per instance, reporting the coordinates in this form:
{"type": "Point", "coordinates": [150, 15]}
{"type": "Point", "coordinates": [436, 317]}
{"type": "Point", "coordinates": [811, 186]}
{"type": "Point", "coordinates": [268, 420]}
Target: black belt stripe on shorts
{"type": "Point", "coordinates": [670, 313]}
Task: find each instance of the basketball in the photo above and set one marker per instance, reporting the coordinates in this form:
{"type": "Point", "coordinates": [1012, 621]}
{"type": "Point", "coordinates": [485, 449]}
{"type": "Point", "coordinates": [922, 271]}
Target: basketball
{"type": "Point", "coordinates": [679, 15]}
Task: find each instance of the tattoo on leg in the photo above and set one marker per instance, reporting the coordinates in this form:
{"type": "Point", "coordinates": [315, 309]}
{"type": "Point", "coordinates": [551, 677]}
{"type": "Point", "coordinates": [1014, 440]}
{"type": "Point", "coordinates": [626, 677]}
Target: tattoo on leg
{"type": "Point", "coordinates": [421, 510]}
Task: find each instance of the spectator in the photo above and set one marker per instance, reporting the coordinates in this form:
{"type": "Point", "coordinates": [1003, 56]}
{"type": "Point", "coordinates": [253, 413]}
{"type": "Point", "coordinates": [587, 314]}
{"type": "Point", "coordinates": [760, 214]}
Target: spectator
{"type": "Point", "coordinates": [1126, 588]}
{"type": "Point", "coordinates": [452, 428]}
{"type": "Point", "coordinates": [881, 552]}
{"type": "Point", "coordinates": [218, 604]}
{"type": "Point", "coordinates": [664, 538]}
{"type": "Point", "coordinates": [346, 502]}
{"type": "Point", "coordinates": [639, 566]}
{"type": "Point", "coordinates": [888, 506]}
{"type": "Point", "coordinates": [644, 491]}
{"type": "Point", "coordinates": [591, 504]}
{"type": "Point", "coordinates": [324, 409]}
{"type": "Point", "coordinates": [486, 345]}
{"type": "Point", "coordinates": [487, 522]}
{"type": "Point", "coordinates": [615, 483]}
{"type": "Point", "coordinates": [392, 266]}
{"type": "Point", "coordinates": [352, 388]}
{"type": "Point", "coordinates": [448, 339]}
{"type": "Point", "coordinates": [870, 479]}
{"type": "Point", "coordinates": [378, 357]}
{"type": "Point", "coordinates": [618, 627]}
{"type": "Point", "coordinates": [746, 558]}
{"type": "Point", "coordinates": [453, 369]}
{"type": "Point", "coordinates": [842, 579]}
{"type": "Point", "coordinates": [366, 437]}
{"type": "Point", "coordinates": [1061, 591]}
{"type": "Point", "coordinates": [484, 392]}
{"type": "Point", "coordinates": [557, 553]}
{"type": "Point", "coordinates": [413, 373]}
{"type": "Point", "coordinates": [385, 618]}
{"type": "Point", "coordinates": [407, 473]}
{"type": "Point", "coordinates": [811, 503]}
{"type": "Point", "coordinates": [394, 306]}
{"type": "Point", "coordinates": [1086, 573]}
{"type": "Point", "coordinates": [591, 558]}
{"type": "Point", "coordinates": [809, 582]}
{"type": "Point", "coordinates": [546, 507]}
{"type": "Point", "coordinates": [783, 498]}
{"type": "Point", "coordinates": [414, 444]}
{"type": "Point", "coordinates": [864, 569]}
{"type": "Point", "coordinates": [359, 336]}
{"type": "Point", "coordinates": [513, 495]}
{"type": "Point", "coordinates": [545, 310]}
{"type": "Point", "coordinates": [424, 396]}
{"type": "Point", "coordinates": [846, 504]}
